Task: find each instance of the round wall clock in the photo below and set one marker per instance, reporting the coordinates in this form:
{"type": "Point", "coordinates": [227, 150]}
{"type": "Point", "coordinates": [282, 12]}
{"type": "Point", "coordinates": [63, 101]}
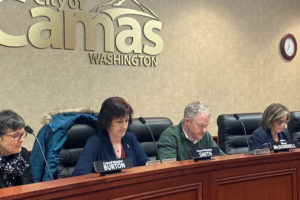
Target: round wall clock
{"type": "Point", "coordinates": [288, 46]}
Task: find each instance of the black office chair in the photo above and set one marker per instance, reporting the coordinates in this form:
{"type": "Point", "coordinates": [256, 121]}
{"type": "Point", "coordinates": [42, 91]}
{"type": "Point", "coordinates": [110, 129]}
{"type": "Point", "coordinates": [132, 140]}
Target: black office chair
{"type": "Point", "coordinates": [157, 125]}
{"type": "Point", "coordinates": [72, 148]}
{"type": "Point", "coordinates": [294, 126]}
{"type": "Point", "coordinates": [231, 135]}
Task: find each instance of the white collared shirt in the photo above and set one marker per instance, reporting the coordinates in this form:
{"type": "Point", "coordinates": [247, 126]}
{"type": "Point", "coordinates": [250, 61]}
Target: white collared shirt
{"type": "Point", "coordinates": [194, 142]}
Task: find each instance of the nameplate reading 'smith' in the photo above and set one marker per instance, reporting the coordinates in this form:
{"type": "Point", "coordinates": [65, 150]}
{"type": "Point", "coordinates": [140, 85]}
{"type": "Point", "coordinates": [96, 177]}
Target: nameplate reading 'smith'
{"type": "Point", "coordinates": [112, 166]}
{"type": "Point", "coordinates": [283, 145]}
{"type": "Point", "coordinates": [201, 154]}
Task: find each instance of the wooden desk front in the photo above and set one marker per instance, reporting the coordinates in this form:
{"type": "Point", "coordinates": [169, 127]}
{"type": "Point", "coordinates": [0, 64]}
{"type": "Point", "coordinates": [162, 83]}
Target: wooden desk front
{"type": "Point", "coordinates": [234, 177]}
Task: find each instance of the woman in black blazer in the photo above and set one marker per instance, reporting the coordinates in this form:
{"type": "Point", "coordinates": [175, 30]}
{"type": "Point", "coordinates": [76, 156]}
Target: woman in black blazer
{"type": "Point", "coordinates": [272, 128]}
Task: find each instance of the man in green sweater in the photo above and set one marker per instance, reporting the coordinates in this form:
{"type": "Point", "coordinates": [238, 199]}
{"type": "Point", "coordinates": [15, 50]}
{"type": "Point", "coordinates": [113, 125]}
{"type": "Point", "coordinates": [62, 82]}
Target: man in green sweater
{"type": "Point", "coordinates": [190, 133]}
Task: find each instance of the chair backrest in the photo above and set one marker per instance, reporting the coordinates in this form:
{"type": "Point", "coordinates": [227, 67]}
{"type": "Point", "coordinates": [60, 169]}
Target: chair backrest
{"type": "Point", "coordinates": [72, 148]}
{"type": "Point", "coordinates": [143, 135]}
{"type": "Point", "coordinates": [231, 135]}
{"type": "Point", "coordinates": [294, 125]}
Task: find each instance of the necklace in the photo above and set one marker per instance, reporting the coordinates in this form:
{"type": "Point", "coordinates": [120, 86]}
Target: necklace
{"type": "Point", "coordinates": [117, 149]}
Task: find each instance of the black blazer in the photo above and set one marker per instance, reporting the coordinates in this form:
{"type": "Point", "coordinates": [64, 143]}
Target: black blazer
{"type": "Point", "coordinates": [261, 136]}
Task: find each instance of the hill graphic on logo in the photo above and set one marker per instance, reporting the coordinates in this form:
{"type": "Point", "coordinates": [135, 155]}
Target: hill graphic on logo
{"type": "Point", "coordinates": [22, 1]}
{"type": "Point", "coordinates": [115, 8]}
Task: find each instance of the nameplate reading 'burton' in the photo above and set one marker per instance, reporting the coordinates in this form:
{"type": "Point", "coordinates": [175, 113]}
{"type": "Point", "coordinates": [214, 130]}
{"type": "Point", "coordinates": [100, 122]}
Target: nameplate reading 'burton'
{"type": "Point", "coordinates": [112, 166]}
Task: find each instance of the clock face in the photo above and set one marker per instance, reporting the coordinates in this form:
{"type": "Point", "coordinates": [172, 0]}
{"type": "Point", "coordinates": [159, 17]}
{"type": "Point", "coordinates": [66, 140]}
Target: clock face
{"type": "Point", "coordinates": [288, 46]}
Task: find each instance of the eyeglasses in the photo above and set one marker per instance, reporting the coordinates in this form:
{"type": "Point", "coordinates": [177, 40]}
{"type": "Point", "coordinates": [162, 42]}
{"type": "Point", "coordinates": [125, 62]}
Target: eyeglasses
{"type": "Point", "coordinates": [18, 137]}
{"type": "Point", "coordinates": [281, 122]}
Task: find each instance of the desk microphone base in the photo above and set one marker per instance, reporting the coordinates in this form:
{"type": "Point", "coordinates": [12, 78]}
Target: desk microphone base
{"type": "Point", "coordinates": [259, 151]}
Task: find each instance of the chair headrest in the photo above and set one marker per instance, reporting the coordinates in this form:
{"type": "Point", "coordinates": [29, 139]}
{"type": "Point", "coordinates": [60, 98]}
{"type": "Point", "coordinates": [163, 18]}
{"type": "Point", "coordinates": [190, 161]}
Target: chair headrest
{"type": "Point", "coordinates": [77, 135]}
{"type": "Point", "coordinates": [156, 124]}
{"type": "Point", "coordinates": [228, 124]}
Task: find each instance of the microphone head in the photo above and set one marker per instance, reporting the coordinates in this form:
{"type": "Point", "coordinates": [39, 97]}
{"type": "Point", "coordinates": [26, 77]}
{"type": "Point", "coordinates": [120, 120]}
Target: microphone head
{"type": "Point", "coordinates": [236, 116]}
{"type": "Point", "coordinates": [142, 120]}
{"type": "Point", "coordinates": [28, 129]}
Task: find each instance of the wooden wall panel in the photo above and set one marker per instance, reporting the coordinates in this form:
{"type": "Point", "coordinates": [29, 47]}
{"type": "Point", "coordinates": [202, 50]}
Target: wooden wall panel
{"type": "Point", "coordinates": [257, 186]}
{"type": "Point", "coordinates": [240, 177]}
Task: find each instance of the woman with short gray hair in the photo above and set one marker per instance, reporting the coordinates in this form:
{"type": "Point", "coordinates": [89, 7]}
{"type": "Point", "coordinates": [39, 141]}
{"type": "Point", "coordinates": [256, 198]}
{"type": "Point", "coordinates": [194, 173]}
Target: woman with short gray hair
{"type": "Point", "coordinates": [14, 159]}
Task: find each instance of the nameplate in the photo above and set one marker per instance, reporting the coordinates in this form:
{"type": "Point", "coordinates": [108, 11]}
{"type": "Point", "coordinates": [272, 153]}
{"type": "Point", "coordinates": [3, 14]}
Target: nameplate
{"type": "Point", "coordinates": [203, 154]}
{"type": "Point", "coordinates": [283, 145]}
{"type": "Point", "coordinates": [113, 166]}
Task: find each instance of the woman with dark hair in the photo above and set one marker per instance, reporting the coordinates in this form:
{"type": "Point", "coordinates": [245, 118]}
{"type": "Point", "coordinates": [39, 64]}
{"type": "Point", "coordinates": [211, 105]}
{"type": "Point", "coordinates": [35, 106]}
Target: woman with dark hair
{"type": "Point", "coordinates": [14, 159]}
{"type": "Point", "coordinates": [273, 127]}
{"type": "Point", "coordinates": [113, 141]}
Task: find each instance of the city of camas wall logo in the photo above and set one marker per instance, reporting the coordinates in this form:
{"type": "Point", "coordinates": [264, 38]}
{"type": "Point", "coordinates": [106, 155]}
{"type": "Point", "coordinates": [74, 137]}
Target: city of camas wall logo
{"type": "Point", "coordinates": [130, 43]}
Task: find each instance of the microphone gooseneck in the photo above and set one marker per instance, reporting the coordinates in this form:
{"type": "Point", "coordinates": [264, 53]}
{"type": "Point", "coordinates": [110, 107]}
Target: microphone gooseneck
{"type": "Point", "coordinates": [238, 118]}
{"type": "Point", "coordinates": [29, 130]}
{"type": "Point", "coordinates": [143, 121]}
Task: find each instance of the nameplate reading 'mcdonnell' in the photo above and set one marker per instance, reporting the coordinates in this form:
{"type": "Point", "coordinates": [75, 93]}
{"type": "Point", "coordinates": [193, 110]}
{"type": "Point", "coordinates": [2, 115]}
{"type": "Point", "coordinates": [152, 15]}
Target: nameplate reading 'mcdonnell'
{"type": "Point", "coordinates": [283, 145]}
{"type": "Point", "coordinates": [112, 166]}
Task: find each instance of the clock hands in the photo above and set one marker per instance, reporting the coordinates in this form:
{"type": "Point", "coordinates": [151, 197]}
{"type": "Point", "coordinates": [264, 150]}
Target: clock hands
{"type": "Point", "coordinates": [288, 46]}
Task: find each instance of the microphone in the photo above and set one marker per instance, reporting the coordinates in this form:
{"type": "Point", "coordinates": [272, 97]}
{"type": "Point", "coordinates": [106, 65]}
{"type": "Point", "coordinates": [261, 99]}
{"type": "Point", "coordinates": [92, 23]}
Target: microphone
{"type": "Point", "coordinates": [29, 130]}
{"type": "Point", "coordinates": [143, 121]}
{"type": "Point", "coordinates": [238, 118]}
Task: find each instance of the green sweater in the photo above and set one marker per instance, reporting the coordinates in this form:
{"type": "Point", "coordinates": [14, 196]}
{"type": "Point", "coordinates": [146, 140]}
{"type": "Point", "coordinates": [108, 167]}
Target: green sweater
{"type": "Point", "coordinates": [173, 144]}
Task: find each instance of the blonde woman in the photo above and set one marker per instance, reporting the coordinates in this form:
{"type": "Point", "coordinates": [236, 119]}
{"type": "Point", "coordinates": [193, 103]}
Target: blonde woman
{"type": "Point", "coordinates": [272, 128]}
